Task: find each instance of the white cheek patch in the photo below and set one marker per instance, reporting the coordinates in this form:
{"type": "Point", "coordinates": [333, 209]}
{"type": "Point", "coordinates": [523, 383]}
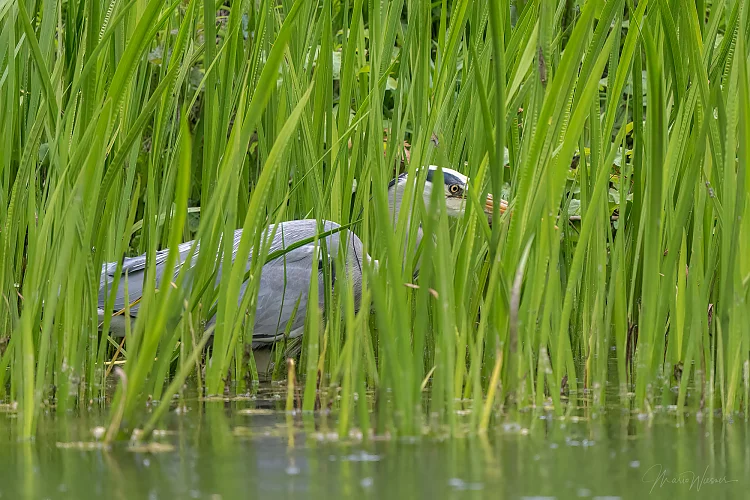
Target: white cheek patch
{"type": "Point", "coordinates": [455, 206]}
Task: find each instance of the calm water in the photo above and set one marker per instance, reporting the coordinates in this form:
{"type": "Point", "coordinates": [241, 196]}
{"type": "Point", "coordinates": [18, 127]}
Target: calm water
{"type": "Point", "coordinates": [222, 450]}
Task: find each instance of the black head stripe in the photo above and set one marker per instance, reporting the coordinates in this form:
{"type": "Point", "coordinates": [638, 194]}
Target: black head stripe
{"type": "Point", "coordinates": [448, 178]}
{"type": "Point", "coordinates": [452, 179]}
{"type": "Point", "coordinates": [395, 180]}
{"type": "Point", "coordinates": [429, 174]}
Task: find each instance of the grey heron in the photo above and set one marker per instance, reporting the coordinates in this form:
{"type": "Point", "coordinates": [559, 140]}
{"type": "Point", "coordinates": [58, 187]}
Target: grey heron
{"type": "Point", "coordinates": [285, 281]}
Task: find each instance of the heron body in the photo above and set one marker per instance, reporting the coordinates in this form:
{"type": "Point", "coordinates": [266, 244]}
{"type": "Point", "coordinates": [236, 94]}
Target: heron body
{"type": "Point", "coordinates": [284, 281]}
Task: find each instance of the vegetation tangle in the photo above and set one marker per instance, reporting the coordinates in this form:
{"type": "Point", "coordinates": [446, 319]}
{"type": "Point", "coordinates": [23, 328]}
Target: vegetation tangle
{"type": "Point", "coordinates": [618, 130]}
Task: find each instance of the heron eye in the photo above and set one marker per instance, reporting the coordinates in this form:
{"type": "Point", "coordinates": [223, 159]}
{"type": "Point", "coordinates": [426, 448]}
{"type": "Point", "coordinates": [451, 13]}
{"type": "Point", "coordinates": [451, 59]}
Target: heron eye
{"type": "Point", "coordinates": [454, 189]}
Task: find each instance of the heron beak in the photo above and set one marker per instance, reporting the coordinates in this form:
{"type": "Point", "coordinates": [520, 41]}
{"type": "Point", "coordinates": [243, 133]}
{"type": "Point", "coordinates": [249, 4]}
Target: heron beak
{"type": "Point", "coordinates": [489, 205]}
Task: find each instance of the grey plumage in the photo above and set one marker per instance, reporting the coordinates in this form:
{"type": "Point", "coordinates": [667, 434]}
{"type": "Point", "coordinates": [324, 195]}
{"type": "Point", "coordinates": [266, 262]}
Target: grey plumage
{"type": "Point", "coordinates": [284, 280]}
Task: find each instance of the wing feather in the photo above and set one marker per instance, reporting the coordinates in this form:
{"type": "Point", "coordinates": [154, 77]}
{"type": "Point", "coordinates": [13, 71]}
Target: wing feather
{"type": "Point", "coordinates": [284, 282]}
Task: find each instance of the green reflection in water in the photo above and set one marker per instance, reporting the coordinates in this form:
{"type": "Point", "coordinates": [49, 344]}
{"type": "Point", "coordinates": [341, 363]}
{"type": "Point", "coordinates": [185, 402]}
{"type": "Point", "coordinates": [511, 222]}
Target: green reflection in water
{"type": "Point", "coordinates": [248, 449]}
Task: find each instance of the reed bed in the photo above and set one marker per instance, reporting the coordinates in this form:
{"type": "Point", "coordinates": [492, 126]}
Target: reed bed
{"type": "Point", "coordinates": [618, 130]}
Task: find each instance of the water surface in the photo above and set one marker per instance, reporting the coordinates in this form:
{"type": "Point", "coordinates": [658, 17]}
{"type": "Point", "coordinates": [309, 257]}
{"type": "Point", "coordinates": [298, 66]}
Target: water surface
{"type": "Point", "coordinates": [248, 449]}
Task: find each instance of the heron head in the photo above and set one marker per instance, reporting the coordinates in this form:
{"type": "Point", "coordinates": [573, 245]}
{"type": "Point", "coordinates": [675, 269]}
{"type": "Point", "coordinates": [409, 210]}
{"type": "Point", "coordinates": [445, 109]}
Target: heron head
{"type": "Point", "coordinates": [454, 185]}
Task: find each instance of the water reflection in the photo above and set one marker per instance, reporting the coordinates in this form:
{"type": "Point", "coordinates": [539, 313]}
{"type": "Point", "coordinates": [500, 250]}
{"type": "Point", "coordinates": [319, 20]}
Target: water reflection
{"type": "Point", "coordinates": [217, 450]}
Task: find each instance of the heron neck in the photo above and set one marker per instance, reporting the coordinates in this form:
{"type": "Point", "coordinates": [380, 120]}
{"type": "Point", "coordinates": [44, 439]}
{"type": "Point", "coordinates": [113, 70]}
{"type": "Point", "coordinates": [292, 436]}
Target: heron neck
{"type": "Point", "coordinates": [395, 200]}
{"type": "Point", "coordinates": [417, 241]}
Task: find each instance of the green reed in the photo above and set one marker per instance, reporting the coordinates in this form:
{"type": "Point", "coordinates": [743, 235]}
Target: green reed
{"type": "Point", "coordinates": [617, 130]}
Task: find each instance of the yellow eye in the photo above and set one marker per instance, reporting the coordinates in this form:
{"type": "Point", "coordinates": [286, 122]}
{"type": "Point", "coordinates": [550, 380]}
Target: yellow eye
{"type": "Point", "coordinates": [454, 189]}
